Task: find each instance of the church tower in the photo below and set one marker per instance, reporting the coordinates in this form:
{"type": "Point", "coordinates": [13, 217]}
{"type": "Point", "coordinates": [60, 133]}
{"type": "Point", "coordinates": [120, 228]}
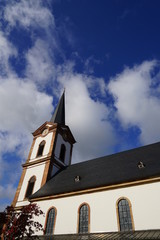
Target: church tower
{"type": "Point", "coordinates": [50, 152]}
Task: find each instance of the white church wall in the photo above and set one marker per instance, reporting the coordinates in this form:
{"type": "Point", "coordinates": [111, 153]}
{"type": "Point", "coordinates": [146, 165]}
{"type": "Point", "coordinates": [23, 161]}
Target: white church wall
{"type": "Point", "coordinates": [59, 142]}
{"type": "Point", "coordinates": [103, 217]}
{"type": "Point", "coordinates": [145, 205]}
{"type": "Point", "coordinates": [47, 139]}
{"type": "Point", "coordinates": [37, 171]}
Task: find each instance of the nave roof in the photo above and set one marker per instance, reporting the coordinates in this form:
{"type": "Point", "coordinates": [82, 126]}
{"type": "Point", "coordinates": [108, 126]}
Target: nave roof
{"type": "Point", "coordinates": [124, 167]}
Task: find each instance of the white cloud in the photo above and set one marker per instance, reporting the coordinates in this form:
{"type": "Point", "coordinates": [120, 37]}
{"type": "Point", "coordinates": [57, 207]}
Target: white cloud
{"type": "Point", "coordinates": [89, 64]}
{"type": "Point", "coordinates": [34, 16]}
{"type": "Point", "coordinates": [97, 86]}
{"type": "Point", "coordinates": [30, 13]}
{"type": "Point", "coordinates": [40, 67]}
{"type": "Point", "coordinates": [88, 119]}
{"type": "Point", "coordinates": [23, 108]}
{"type": "Point", "coordinates": [6, 51]}
{"type": "Point", "coordinates": [7, 191]}
{"type": "Point", "coordinates": [4, 205]}
{"type": "Point", "coordinates": [21, 103]}
{"type": "Point", "coordinates": [137, 101]}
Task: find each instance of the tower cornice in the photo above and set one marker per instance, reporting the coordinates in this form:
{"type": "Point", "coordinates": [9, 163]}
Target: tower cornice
{"type": "Point", "coordinates": [48, 125]}
{"type": "Point", "coordinates": [44, 159]}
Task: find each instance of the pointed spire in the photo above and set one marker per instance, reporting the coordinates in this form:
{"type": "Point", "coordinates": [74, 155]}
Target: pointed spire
{"type": "Point", "coordinates": [59, 114]}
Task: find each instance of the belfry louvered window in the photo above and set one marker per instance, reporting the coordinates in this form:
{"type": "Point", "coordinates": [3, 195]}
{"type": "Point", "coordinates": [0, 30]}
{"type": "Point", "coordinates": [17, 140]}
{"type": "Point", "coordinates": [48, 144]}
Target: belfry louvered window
{"type": "Point", "coordinates": [50, 221]}
{"type": "Point", "coordinates": [30, 186]}
{"type": "Point", "coordinates": [124, 213]}
{"type": "Point", "coordinates": [41, 148]}
{"type": "Point", "coordinates": [83, 218]}
{"type": "Point", "coordinates": [62, 153]}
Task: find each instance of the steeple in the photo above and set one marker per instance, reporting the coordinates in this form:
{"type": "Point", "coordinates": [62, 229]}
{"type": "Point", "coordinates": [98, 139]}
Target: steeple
{"type": "Point", "coordinates": [50, 152]}
{"type": "Point", "coordinates": [59, 114]}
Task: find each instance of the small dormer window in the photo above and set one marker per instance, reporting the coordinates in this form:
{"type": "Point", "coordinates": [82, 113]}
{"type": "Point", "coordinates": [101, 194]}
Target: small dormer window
{"type": "Point", "coordinates": [41, 148]}
{"type": "Point", "coordinates": [77, 178]}
{"type": "Point", "coordinates": [62, 153]}
{"type": "Point", "coordinates": [141, 165]}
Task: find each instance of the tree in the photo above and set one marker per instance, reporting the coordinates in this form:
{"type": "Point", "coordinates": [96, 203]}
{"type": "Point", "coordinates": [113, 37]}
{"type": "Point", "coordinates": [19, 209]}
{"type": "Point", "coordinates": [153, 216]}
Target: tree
{"type": "Point", "coordinates": [21, 223]}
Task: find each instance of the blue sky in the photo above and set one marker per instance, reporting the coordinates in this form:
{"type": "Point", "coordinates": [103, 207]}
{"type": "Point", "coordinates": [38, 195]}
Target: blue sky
{"type": "Point", "coordinates": [104, 53]}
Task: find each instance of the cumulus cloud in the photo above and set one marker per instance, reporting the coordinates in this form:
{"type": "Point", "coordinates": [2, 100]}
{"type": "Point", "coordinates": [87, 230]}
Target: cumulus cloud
{"type": "Point", "coordinates": [23, 109]}
{"type": "Point", "coordinates": [7, 191]}
{"type": "Point", "coordinates": [30, 13]}
{"type": "Point", "coordinates": [40, 67]}
{"type": "Point", "coordinates": [96, 86]}
{"type": "Point", "coordinates": [89, 64]}
{"type": "Point", "coordinates": [22, 103]}
{"type": "Point", "coordinates": [137, 100]}
{"type": "Point", "coordinates": [6, 51]}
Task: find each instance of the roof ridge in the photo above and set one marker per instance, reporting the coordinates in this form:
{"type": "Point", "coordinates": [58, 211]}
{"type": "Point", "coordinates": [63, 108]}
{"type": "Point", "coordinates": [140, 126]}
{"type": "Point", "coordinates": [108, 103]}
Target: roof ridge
{"type": "Point", "coordinates": [118, 153]}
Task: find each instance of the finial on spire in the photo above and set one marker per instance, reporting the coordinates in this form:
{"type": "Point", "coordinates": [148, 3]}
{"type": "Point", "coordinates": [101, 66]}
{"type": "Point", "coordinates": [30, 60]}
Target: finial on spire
{"type": "Point", "coordinates": [59, 114]}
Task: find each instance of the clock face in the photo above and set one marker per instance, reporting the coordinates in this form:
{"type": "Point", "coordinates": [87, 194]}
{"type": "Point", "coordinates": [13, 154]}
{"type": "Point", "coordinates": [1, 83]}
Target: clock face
{"type": "Point", "coordinates": [45, 131]}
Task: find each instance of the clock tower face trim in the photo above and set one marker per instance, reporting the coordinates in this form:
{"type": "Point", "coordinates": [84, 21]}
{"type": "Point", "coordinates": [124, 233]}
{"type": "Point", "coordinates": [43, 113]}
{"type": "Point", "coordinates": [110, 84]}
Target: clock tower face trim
{"type": "Point", "coordinates": [47, 125]}
{"type": "Point", "coordinates": [45, 132]}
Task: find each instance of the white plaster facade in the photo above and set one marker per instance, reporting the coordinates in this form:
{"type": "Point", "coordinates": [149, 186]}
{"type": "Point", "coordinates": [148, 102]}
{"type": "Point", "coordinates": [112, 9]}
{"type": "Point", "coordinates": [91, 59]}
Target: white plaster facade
{"type": "Point", "coordinates": [144, 199]}
{"type": "Point", "coordinates": [37, 171]}
{"type": "Point", "coordinates": [47, 139]}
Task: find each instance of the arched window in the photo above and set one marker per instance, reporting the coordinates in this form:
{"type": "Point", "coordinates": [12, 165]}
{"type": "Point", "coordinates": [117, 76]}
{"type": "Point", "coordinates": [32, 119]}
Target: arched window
{"type": "Point", "coordinates": [83, 219]}
{"type": "Point", "coordinates": [30, 186]}
{"type": "Point", "coordinates": [62, 153]}
{"type": "Point", "coordinates": [41, 148]}
{"type": "Point", "coordinates": [125, 215]}
{"type": "Point", "coordinates": [51, 217]}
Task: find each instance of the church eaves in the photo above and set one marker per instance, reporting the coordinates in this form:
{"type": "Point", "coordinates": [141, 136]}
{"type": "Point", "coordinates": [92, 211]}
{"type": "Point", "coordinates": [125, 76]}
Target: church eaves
{"type": "Point", "coordinates": [59, 114]}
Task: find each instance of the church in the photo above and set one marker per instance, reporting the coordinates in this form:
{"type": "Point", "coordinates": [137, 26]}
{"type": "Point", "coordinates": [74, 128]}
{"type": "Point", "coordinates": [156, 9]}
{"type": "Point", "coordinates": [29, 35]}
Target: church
{"type": "Point", "coordinates": [111, 197]}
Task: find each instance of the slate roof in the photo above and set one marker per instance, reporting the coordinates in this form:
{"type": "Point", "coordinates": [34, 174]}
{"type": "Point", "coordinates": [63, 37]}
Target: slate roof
{"type": "Point", "coordinates": [105, 171]}
{"type": "Point", "coordinates": [145, 234]}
